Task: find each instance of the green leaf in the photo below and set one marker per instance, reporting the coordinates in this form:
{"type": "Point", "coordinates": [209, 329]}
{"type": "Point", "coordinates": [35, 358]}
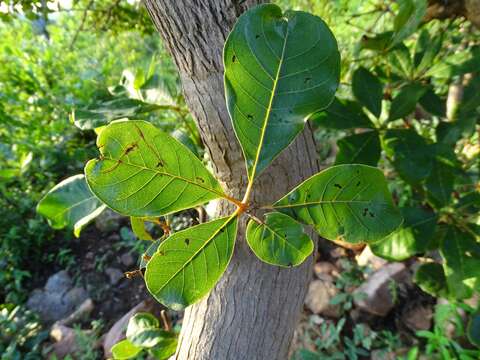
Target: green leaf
{"type": "Point", "coordinates": [361, 148]}
{"type": "Point", "coordinates": [279, 240]}
{"type": "Point", "coordinates": [347, 202]}
{"type": "Point", "coordinates": [143, 330]}
{"type": "Point", "coordinates": [426, 51]}
{"type": "Point", "coordinates": [70, 204]}
{"type": "Point", "coordinates": [469, 203]}
{"type": "Point", "coordinates": [125, 350]}
{"type": "Point", "coordinates": [378, 42]}
{"type": "Point", "coordinates": [368, 89]}
{"type": "Point", "coordinates": [406, 100]}
{"type": "Point", "coordinates": [189, 263]}
{"type": "Point", "coordinates": [138, 228]}
{"type": "Point", "coordinates": [143, 172]}
{"type": "Point", "coordinates": [279, 70]}
{"type": "Point", "coordinates": [408, 19]}
{"type": "Point", "coordinates": [439, 184]}
{"type": "Point", "coordinates": [107, 110]}
{"type": "Point", "coordinates": [411, 238]}
{"type": "Point", "coordinates": [342, 114]}
{"type": "Point", "coordinates": [461, 254]}
{"type": "Point", "coordinates": [151, 250]}
{"type": "Point", "coordinates": [401, 61]}
{"type": "Point", "coordinates": [473, 329]}
{"type": "Point", "coordinates": [431, 279]}
{"type": "Point", "coordinates": [410, 154]}
{"type": "Point", "coordinates": [165, 348]}
{"type": "Point", "coordinates": [432, 103]}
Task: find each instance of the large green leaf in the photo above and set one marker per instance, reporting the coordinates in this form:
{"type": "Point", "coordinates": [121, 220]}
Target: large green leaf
{"type": "Point", "coordinates": [411, 238]}
{"type": "Point", "coordinates": [347, 202]}
{"type": "Point", "coordinates": [361, 148]}
{"type": "Point", "coordinates": [125, 350]}
{"type": "Point", "coordinates": [279, 70]}
{"type": "Point", "coordinates": [279, 240]}
{"type": "Point", "coordinates": [408, 19]}
{"type": "Point", "coordinates": [401, 61]}
{"type": "Point", "coordinates": [342, 114]}
{"type": "Point", "coordinates": [70, 204]}
{"type": "Point", "coordinates": [406, 100]}
{"type": "Point", "coordinates": [188, 264]}
{"type": "Point", "coordinates": [411, 156]}
{"type": "Point", "coordinates": [368, 89]}
{"type": "Point", "coordinates": [431, 279]}
{"type": "Point", "coordinates": [142, 171]}
{"type": "Point", "coordinates": [461, 254]}
{"type": "Point", "coordinates": [165, 349]}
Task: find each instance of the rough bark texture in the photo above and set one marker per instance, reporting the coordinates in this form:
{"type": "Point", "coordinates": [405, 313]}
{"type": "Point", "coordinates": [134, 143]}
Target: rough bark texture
{"type": "Point", "coordinates": [252, 312]}
{"type": "Point", "coordinates": [445, 9]}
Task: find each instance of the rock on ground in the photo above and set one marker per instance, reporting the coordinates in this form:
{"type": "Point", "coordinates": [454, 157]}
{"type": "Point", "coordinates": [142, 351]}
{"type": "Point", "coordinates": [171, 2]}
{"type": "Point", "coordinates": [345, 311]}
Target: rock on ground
{"type": "Point", "coordinates": [378, 298]}
{"type": "Point", "coordinates": [318, 298]}
{"type": "Point", "coordinates": [58, 299]}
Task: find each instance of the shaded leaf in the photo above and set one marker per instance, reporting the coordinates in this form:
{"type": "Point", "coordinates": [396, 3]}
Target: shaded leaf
{"type": "Point", "coordinates": [431, 279]}
{"type": "Point", "coordinates": [125, 350]}
{"type": "Point", "coordinates": [144, 172]}
{"type": "Point", "coordinates": [361, 148]}
{"type": "Point", "coordinates": [401, 61]}
{"type": "Point", "coordinates": [411, 238]}
{"type": "Point", "coordinates": [279, 240]}
{"type": "Point", "coordinates": [368, 89]}
{"type": "Point", "coordinates": [469, 203]}
{"type": "Point", "coordinates": [461, 254]}
{"type": "Point", "coordinates": [165, 348]}
{"type": "Point", "coordinates": [410, 154]}
{"type": "Point", "coordinates": [405, 101]}
{"type": "Point", "coordinates": [279, 70]}
{"type": "Point", "coordinates": [189, 263]}
{"type": "Point", "coordinates": [473, 329]}
{"type": "Point", "coordinates": [70, 204]}
{"type": "Point", "coordinates": [342, 114]}
{"type": "Point", "coordinates": [426, 51]}
{"type": "Point", "coordinates": [439, 184]}
{"type": "Point", "coordinates": [432, 103]}
{"type": "Point", "coordinates": [347, 202]}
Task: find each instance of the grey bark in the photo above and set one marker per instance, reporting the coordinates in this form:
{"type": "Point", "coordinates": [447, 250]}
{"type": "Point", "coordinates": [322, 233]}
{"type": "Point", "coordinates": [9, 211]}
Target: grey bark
{"type": "Point", "coordinates": [252, 312]}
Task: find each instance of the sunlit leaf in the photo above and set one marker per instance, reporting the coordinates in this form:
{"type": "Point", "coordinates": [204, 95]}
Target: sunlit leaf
{"type": "Point", "coordinates": [188, 264]}
{"type": "Point", "coordinates": [361, 148]}
{"type": "Point", "coordinates": [279, 240]}
{"type": "Point", "coordinates": [143, 330]}
{"type": "Point", "coordinates": [411, 238]}
{"type": "Point", "coordinates": [70, 204]}
{"type": "Point", "coordinates": [125, 350]}
{"type": "Point", "coordinates": [461, 254]}
{"type": "Point", "coordinates": [138, 228]}
{"type": "Point", "coordinates": [165, 348]}
{"type": "Point", "coordinates": [280, 68]}
{"type": "Point", "coordinates": [408, 19]}
{"type": "Point", "coordinates": [142, 172]}
{"type": "Point", "coordinates": [368, 89]}
{"type": "Point", "coordinates": [346, 202]}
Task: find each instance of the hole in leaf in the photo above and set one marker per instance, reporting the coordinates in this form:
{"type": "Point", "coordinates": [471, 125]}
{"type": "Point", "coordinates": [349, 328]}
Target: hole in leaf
{"type": "Point", "coordinates": [365, 212]}
{"type": "Point", "coordinates": [290, 264]}
{"type": "Point", "coordinates": [233, 58]}
{"type": "Point", "coordinates": [159, 164]}
{"type": "Point", "coordinates": [338, 186]}
{"type": "Point", "coordinates": [307, 80]}
{"type": "Point", "coordinates": [371, 214]}
{"type": "Point", "coordinates": [250, 116]}
{"type": "Point", "coordinates": [187, 241]}
{"type": "Point", "coordinates": [358, 183]}
{"type": "Point", "coordinates": [200, 179]}
{"type": "Point", "coordinates": [257, 36]}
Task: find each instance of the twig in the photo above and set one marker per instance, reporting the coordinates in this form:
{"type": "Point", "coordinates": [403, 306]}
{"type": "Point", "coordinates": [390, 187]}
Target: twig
{"type": "Point", "coordinates": [82, 23]}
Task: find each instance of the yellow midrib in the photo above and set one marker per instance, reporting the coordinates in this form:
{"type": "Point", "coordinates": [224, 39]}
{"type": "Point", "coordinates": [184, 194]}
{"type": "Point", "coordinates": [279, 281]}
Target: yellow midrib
{"type": "Point", "coordinates": [267, 115]}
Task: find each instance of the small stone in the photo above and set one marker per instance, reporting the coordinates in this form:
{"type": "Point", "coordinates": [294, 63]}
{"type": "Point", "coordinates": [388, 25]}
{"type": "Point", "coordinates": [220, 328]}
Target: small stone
{"type": "Point", "coordinates": [59, 283]}
{"type": "Point", "coordinates": [127, 260]}
{"type": "Point", "coordinates": [377, 297]}
{"type": "Point", "coordinates": [418, 318]}
{"type": "Point", "coordinates": [318, 298]}
{"type": "Point", "coordinates": [114, 275]}
{"type": "Point", "coordinates": [325, 271]}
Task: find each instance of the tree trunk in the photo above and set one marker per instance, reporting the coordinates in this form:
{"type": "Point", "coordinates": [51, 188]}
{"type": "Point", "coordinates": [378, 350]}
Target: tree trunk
{"type": "Point", "coordinates": [252, 312]}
